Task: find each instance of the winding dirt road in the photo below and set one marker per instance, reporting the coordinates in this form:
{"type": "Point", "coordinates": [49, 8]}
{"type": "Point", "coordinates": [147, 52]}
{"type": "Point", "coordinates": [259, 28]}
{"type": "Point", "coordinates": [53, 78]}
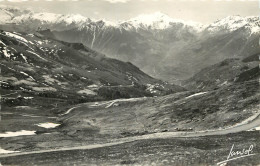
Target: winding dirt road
{"type": "Point", "coordinates": [243, 127]}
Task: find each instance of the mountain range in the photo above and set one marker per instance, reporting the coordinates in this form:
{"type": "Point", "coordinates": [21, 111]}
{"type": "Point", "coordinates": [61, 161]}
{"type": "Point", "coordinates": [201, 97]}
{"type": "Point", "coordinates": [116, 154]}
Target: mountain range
{"type": "Point", "coordinates": [166, 48]}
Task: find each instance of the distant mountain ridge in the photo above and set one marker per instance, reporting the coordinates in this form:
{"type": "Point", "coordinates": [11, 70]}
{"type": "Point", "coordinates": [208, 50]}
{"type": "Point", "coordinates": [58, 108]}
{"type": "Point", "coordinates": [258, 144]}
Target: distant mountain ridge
{"type": "Point", "coordinates": [155, 20]}
{"type": "Point", "coordinates": [166, 48]}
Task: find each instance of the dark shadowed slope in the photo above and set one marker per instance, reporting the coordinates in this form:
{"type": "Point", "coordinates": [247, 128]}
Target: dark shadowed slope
{"type": "Point", "coordinates": [227, 72]}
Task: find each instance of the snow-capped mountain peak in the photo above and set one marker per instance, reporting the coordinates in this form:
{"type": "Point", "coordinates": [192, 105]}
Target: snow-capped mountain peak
{"type": "Point", "coordinates": [8, 13]}
{"type": "Point", "coordinates": [52, 18]}
{"type": "Point", "coordinates": [232, 23]}
{"type": "Point", "coordinates": [75, 18]}
{"type": "Point", "coordinates": [149, 19]}
{"type": "Point", "coordinates": [154, 21]}
{"type": "Point", "coordinates": [157, 20]}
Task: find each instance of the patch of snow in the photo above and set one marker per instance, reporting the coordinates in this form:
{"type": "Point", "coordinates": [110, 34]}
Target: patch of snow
{"type": "Point", "coordinates": [17, 33]}
{"type": "Point", "coordinates": [50, 80]}
{"type": "Point", "coordinates": [2, 151]}
{"type": "Point", "coordinates": [2, 43]}
{"type": "Point", "coordinates": [26, 82]}
{"type": "Point", "coordinates": [12, 35]}
{"type": "Point", "coordinates": [151, 88]}
{"type": "Point", "coordinates": [27, 98]}
{"type": "Point", "coordinates": [93, 86]}
{"type": "Point", "coordinates": [255, 29]}
{"type": "Point", "coordinates": [31, 42]}
{"type": "Point", "coordinates": [27, 75]}
{"type": "Point", "coordinates": [196, 94]}
{"type": "Point", "coordinates": [6, 54]}
{"type": "Point", "coordinates": [30, 35]}
{"type": "Point", "coordinates": [42, 89]}
{"type": "Point", "coordinates": [87, 92]}
{"type": "Point", "coordinates": [25, 59]}
{"type": "Point", "coordinates": [39, 42]}
{"type": "Point", "coordinates": [17, 133]}
{"type": "Point", "coordinates": [48, 125]}
{"type": "Point", "coordinates": [36, 55]}
{"type": "Point", "coordinates": [24, 73]}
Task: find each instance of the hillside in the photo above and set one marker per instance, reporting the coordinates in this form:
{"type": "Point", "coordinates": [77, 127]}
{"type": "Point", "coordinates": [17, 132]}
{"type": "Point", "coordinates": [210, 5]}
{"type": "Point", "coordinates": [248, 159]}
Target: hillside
{"type": "Point", "coordinates": [227, 107]}
{"type": "Point", "coordinates": [36, 65]}
{"type": "Point", "coordinates": [224, 73]}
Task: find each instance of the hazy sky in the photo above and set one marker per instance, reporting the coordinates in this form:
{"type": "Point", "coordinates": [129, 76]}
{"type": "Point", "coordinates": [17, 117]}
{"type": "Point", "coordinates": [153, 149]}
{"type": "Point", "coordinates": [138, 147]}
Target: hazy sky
{"type": "Point", "coordinates": [204, 11]}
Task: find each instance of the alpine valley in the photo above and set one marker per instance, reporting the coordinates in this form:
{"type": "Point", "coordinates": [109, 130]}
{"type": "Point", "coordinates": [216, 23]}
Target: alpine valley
{"type": "Point", "coordinates": [163, 47]}
{"type": "Point", "coordinates": [152, 90]}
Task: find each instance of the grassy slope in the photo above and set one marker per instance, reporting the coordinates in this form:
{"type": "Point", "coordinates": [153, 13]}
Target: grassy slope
{"type": "Point", "coordinates": [225, 73]}
{"type": "Point", "coordinates": [166, 152]}
{"type": "Point", "coordinates": [215, 109]}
